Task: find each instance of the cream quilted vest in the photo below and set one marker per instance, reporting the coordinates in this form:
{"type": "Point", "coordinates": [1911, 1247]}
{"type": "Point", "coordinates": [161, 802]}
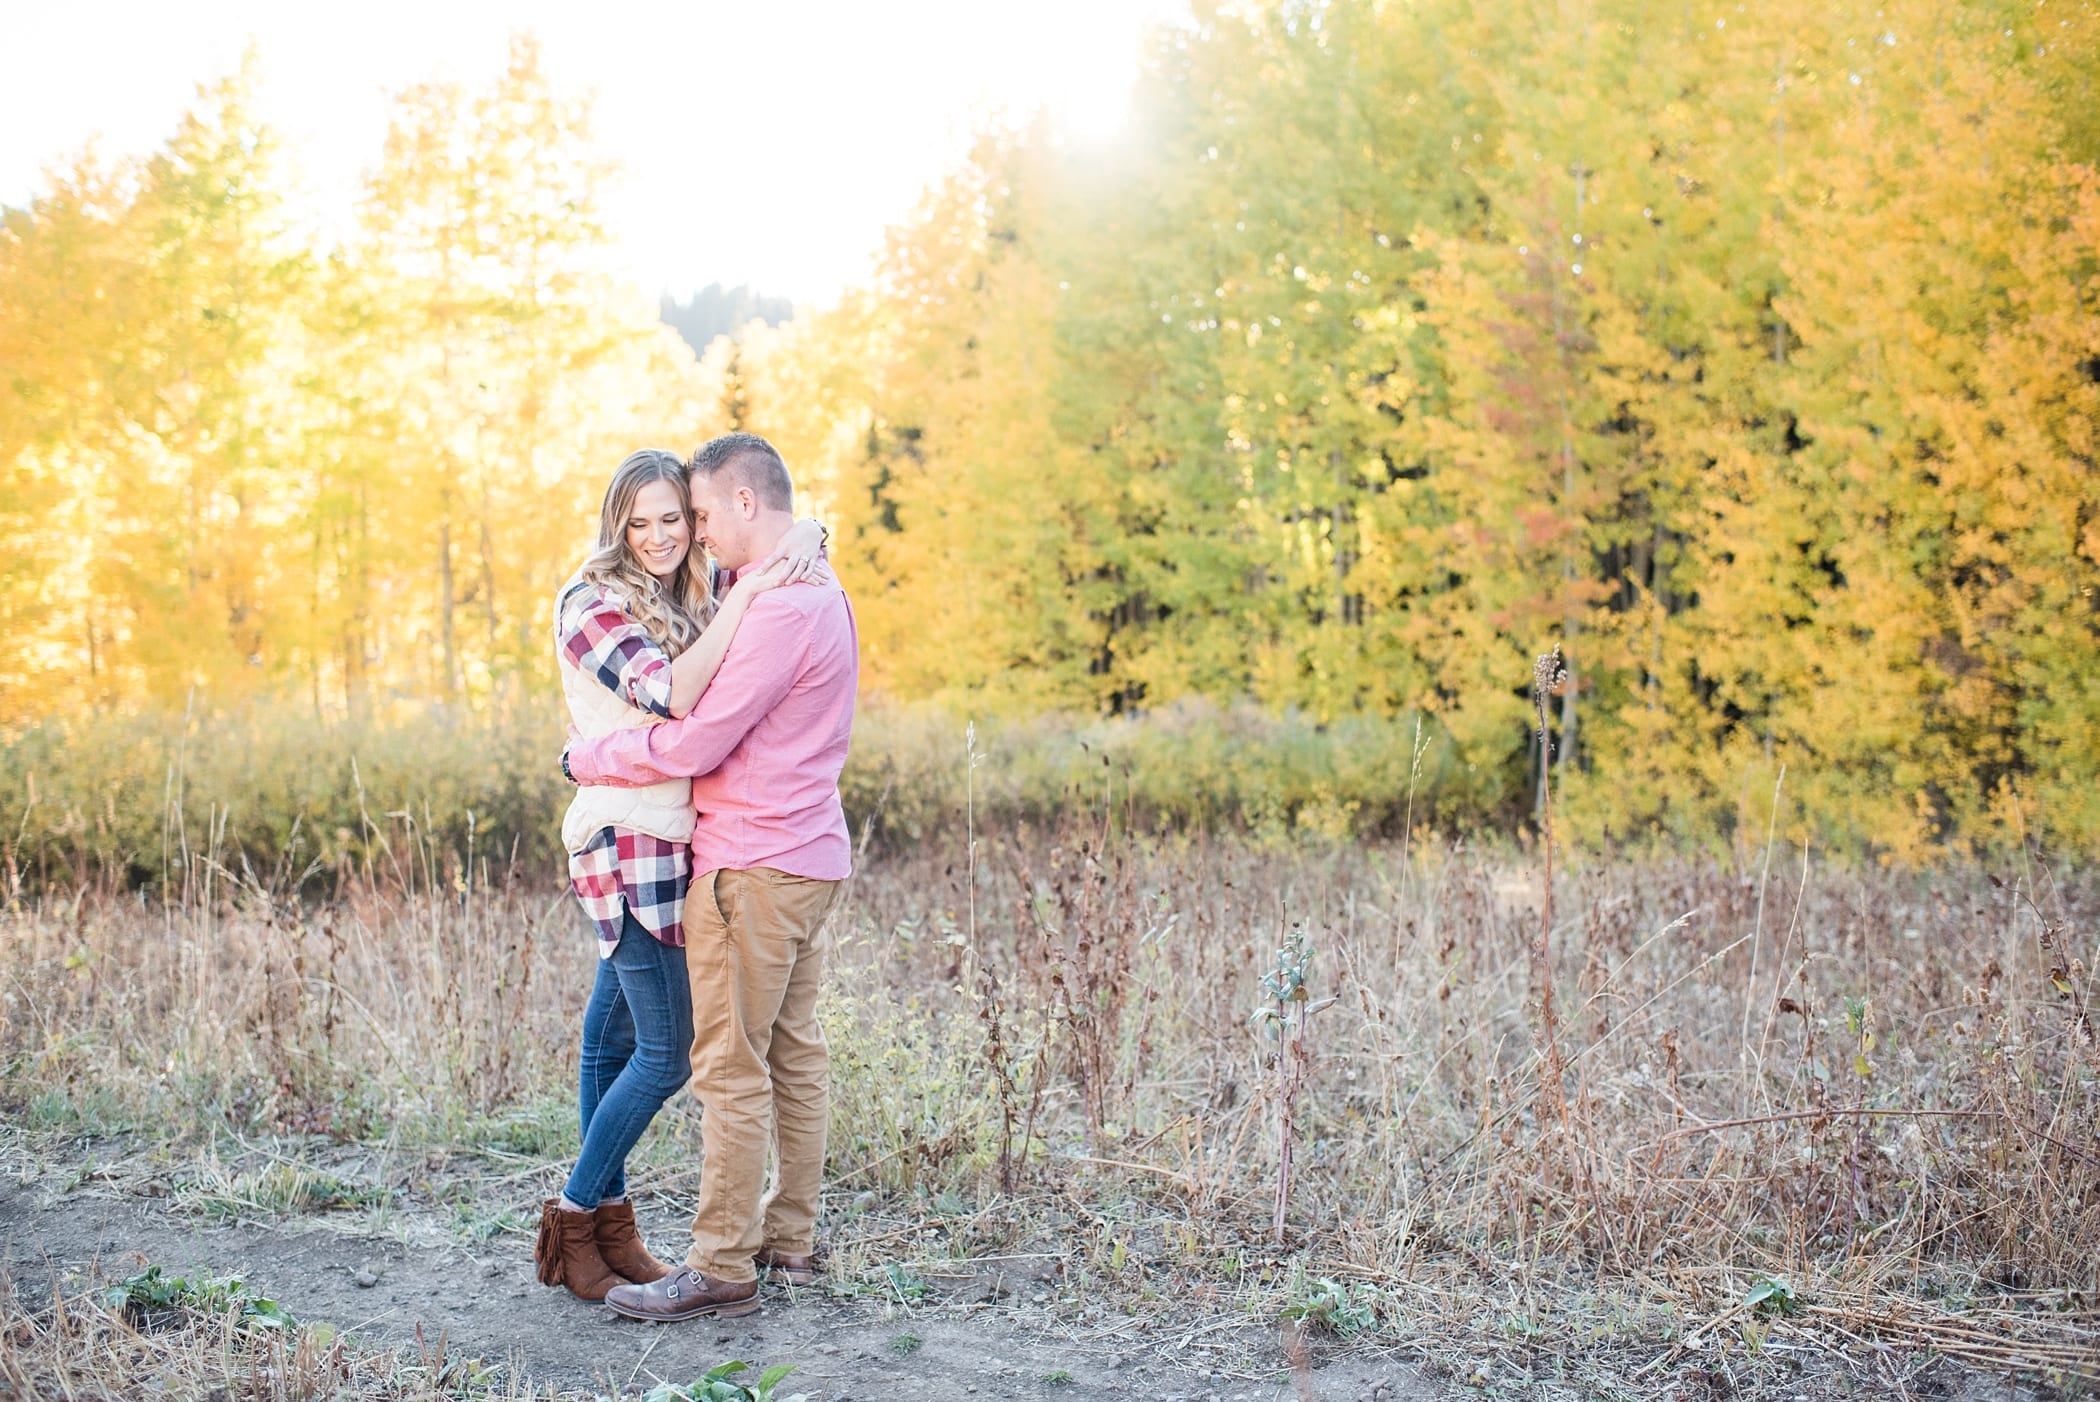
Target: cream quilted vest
{"type": "Point", "coordinates": [662, 810]}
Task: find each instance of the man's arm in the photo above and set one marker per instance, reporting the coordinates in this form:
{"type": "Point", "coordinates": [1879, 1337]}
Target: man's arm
{"type": "Point", "coordinates": [760, 668]}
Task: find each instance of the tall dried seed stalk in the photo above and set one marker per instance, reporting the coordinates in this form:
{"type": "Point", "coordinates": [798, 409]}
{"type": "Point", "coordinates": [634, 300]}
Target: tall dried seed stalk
{"type": "Point", "coordinates": [1548, 675]}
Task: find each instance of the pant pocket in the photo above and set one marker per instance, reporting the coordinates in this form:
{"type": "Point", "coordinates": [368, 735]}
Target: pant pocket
{"type": "Point", "coordinates": [706, 915]}
{"type": "Point", "coordinates": [721, 891]}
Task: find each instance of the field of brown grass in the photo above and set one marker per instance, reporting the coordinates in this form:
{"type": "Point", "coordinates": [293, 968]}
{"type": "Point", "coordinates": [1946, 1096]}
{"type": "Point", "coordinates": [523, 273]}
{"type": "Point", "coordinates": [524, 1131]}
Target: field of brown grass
{"type": "Point", "coordinates": [1813, 1127]}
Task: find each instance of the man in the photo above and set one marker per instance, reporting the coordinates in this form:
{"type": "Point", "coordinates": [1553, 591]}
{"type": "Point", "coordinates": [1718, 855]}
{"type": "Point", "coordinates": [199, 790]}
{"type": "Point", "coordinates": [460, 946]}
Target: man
{"type": "Point", "coordinates": [765, 745]}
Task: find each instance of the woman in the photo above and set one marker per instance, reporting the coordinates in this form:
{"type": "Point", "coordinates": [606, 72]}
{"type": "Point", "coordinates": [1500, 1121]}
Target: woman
{"type": "Point", "coordinates": [639, 636]}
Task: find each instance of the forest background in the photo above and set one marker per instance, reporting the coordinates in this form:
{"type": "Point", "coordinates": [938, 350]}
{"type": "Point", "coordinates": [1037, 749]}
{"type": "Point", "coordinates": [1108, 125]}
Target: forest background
{"type": "Point", "coordinates": [1749, 354]}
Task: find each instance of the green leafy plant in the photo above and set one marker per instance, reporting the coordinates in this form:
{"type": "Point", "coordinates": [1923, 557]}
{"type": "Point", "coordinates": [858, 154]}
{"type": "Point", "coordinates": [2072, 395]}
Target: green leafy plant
{"type": "Point", "coordinates": [905, 1343]}
{"type": "Point", "coordinates": [1772, 1296]}
{"type": "Point", "coordinates": [715, 1385]}
{"type": "Point", "coordinates": [216, 1295]}
{"type": "Point", "coordinates": [1769, 1299]}
{"type": "Point", "coordinates": [905, 1283]}
{"type": "Point", "coordinates": [1340, 1310]}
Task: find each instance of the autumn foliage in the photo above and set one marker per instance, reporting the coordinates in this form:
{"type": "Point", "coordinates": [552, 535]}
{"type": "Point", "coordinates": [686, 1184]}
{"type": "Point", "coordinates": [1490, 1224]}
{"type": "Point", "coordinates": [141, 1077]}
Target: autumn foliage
{"type": "Point", "coordinates": [1751, 354]}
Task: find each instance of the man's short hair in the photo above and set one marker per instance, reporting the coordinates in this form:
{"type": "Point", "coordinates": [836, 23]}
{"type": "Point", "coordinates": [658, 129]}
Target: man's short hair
{"type": "Point", "coordinates": [750, 462]}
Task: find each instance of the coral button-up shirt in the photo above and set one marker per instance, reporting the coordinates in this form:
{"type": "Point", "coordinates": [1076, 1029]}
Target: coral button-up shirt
{"type": "Point", "coordinates": [765, 743]}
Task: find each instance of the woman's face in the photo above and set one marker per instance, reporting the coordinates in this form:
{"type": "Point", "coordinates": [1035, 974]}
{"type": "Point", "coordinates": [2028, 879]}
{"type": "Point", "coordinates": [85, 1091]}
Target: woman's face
{"type": "Point", "coordinates": [658, 530]}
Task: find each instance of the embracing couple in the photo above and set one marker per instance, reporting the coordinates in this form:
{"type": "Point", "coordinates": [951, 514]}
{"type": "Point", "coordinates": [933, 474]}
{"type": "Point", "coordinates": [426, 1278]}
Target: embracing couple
{"type": "Point", "coordinates": [711, 708]}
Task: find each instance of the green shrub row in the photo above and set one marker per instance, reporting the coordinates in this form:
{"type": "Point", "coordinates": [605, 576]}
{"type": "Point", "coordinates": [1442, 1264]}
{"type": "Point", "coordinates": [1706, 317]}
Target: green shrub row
{"type": "Point", "coordinates": [125, 799]}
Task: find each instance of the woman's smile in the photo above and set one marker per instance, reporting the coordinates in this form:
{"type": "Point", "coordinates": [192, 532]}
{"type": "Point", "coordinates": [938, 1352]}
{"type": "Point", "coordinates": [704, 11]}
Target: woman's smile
{"type": "Point", "coordinates": [659, 529]}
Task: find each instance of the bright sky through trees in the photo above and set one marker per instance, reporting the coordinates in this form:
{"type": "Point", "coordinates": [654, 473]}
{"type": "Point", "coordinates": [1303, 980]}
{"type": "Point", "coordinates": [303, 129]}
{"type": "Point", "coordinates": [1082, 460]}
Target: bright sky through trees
{"type": "Point", "coordinates": [762, 143]}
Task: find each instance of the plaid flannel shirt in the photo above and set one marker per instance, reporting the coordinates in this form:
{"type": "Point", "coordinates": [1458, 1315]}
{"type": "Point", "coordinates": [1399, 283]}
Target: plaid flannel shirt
{"type": "Point", "coordinates": [620, 870]}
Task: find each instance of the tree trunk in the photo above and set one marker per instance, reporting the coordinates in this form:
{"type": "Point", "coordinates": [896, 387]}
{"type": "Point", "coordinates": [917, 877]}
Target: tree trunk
{"type": "Point", "coordinates": [449, 684]}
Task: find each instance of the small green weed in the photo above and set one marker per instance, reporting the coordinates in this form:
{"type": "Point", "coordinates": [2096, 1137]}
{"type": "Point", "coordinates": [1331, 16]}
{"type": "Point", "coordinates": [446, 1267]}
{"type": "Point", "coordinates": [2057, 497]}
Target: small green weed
{"type": "Point", "coordinates": [214, 1295]}
{"type": "Point", "coordinates": [1770, 1295]}
{"type": "Point", "coordinates": [905, 1343]}
{"type": "Point", "coordinates": [905, 1283]}
{"type": "Point", "coordinates": [1058, 1377]}
{"type": "Point", "coordinates": [715, 1386]}
{"type": "Point", "coordinates": [1768, 1299]}
{"type": "Point", "coordinates": [1336, 1308]}
{"type": "Point", "coordinates": [1517, 1326]}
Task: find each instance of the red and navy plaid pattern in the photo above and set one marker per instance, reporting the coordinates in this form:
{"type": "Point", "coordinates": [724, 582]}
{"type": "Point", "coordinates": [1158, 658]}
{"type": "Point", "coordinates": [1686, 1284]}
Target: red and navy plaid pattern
{"type": "Point", "coordinates": [622, 870]}
{"type": "Point", "coordinates": [597, 637]}
{"type": "Point", "coordinates": [619, 869]}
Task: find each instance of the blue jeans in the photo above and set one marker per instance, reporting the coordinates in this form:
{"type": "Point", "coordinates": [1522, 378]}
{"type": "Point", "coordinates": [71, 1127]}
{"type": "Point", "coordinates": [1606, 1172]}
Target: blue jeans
{"type": "Point", "coordinates": [637, 1050]}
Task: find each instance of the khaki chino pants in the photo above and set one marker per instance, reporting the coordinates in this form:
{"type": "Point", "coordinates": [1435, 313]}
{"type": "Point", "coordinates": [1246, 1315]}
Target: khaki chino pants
{"type": "Point", "coordinates": [754, 951]}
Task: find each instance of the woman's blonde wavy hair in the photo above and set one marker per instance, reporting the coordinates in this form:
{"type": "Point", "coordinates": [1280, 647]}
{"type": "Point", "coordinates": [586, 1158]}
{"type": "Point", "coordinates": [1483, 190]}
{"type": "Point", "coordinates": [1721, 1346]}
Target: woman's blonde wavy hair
{"type": "Point", "coordinates": [671, 611]}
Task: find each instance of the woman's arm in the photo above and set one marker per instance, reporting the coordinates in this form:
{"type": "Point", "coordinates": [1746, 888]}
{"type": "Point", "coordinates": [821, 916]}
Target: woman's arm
{"type": "Point", "coordinates": [613, 650]}
{"type": "Point", "coordinates": [694, 668]}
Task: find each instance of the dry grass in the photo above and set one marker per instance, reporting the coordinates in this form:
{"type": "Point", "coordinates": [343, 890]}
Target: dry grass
{"type": "Point", "coordinates": [1878, 1092]}
{"type": "Point", "coordinates": [83, 1348]}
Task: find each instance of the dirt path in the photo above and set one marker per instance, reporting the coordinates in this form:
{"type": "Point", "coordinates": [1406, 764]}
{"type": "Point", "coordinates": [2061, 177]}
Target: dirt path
{"type": "Point", "coordinates": [485, 1303]}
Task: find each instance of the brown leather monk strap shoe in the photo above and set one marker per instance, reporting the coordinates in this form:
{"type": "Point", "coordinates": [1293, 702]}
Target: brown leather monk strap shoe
{"type": "Point", "coordinates": [785, 1269]}
{"type": "Point", "coordinates": [685, 1294]}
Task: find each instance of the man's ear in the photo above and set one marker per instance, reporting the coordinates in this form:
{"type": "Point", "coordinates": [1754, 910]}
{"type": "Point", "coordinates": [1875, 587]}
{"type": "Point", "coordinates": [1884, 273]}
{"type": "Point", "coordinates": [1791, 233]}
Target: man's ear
{"type": "Point", "coordinates": [747, 502]}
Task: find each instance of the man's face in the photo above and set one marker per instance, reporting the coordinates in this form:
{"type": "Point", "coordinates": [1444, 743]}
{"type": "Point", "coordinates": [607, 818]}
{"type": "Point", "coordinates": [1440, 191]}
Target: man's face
{"type": "Point", "coordinates": [719, 520]}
